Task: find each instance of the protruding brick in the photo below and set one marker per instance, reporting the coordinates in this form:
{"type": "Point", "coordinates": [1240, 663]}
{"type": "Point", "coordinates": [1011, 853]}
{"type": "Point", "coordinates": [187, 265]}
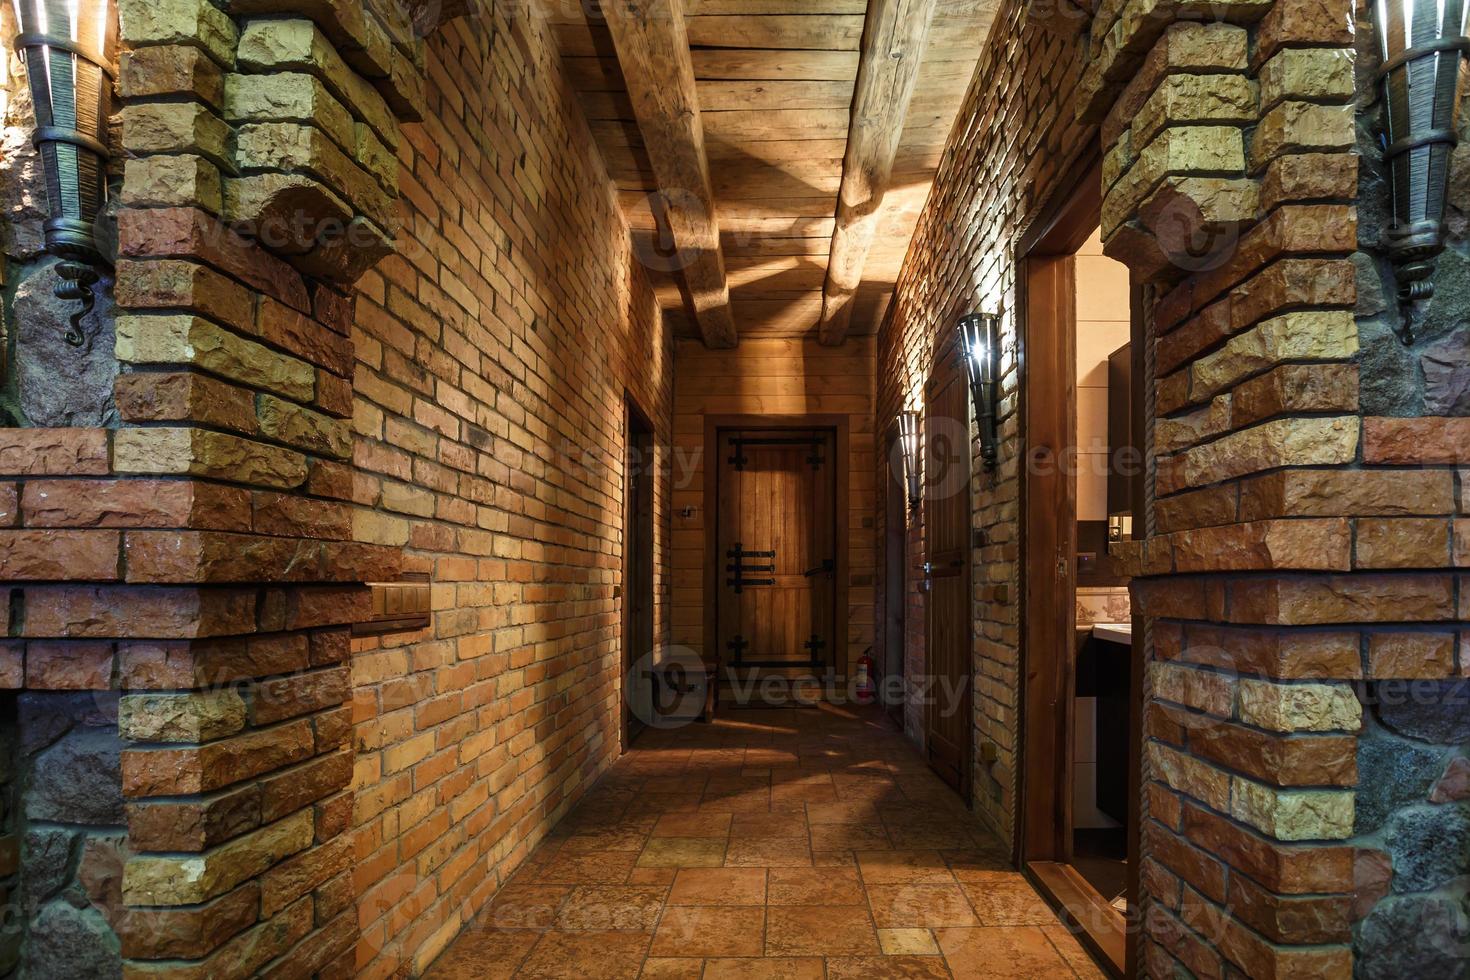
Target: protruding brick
{"type": "Point", "coordinates": [53, 452]}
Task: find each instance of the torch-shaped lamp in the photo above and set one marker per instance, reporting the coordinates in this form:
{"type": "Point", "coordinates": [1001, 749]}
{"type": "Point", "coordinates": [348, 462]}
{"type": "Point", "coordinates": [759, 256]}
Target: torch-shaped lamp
{"type": "Point", "coordinates": [908, 444]}
{"type": "Point", "coordinates": [67, 46]}
{"type": "Point", "coordinates": [1421, 45]}
{"type": "Point", "coordinates": [980, 339]}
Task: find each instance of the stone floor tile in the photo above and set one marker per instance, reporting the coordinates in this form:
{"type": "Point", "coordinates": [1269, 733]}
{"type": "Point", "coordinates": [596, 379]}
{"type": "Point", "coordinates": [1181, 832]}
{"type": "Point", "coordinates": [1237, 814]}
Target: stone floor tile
{"type": "Point", "coordinates": [696, 824]}
{"type": "Point", "coordinates": [745, 826]}
{"type": "Point", "coordinates": [683, 852]}
{"type": "Point", "coordinates": [672, 968]}
{"type": "Point", "coordinates": [592, 868]}
{"type": "Point", "coordinates": [727, 931]}
{"type": "Point", "coordinates": [907, 942]}
{"type": "Point", "coordinates": [586, 956]}
{"type": "Point", "coordinates": [765, 968]}
{"type": "Point", "coordinates": [483, 954]}
{"type": "Point", "coordinates": [814, 886]}
{"type": "Point", "coordinates": [1001, 953]}
{"type": "Point", "coordinates": [919, 906]}
{"type": "Point", "coordinates": [524, 906]}
{"type": "Point", "coordinates": [769, 852]}
{"type": "Point", "coordinates": [1005, 898]}
{"type": "Point", "coordinates": [719, 886]}
{"type": "Point", "coordinates": [820, 930]}
{"type": "Point", "coordinates": [619, 907]}
{"type": "Point", "coordinates": [887, 968]}
{"type": "Point", "coordinates": [904, 868]}
{"type": "Point", "coordinates": [849, 837]}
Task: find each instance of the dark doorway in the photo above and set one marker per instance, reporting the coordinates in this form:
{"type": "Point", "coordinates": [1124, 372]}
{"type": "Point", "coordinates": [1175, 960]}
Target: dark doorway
{"type": "Point", "coordinates": [948, 722]}
{"type": "Point", "coordinates": [638, 559]}
{"type": "Point", "coordinates": [1078, 826]}
{"type": "Point", "coordinates": [895, 585]}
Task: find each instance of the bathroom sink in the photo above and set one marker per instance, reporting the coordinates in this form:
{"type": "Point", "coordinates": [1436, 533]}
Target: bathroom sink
{"type": "Point", "coordinates": [1113, 632]}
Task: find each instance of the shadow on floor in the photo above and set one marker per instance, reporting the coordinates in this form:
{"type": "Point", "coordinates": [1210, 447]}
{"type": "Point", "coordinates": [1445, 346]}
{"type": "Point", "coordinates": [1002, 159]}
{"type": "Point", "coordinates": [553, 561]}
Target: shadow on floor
{"type": "Point", "coordinates": [774, 844]}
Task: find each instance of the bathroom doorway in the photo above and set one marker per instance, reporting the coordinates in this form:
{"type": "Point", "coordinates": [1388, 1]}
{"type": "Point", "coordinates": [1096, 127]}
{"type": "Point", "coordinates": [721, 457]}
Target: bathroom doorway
{"type": "Point", "coordinates": [1080, 490]}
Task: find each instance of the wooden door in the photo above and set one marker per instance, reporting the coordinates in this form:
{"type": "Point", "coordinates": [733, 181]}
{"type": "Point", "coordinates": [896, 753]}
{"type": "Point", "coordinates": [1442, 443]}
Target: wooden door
{"type": "Point", "coordinates": [895, 584]}
{"type": "Point", "coordinates": [777, 548]}
{"type": "Point", "coordinates": [947, 648]}
{"type": "Point", "coordinates": [638, 586]}
{"type": "Point", "coordinates": [1049, 508]}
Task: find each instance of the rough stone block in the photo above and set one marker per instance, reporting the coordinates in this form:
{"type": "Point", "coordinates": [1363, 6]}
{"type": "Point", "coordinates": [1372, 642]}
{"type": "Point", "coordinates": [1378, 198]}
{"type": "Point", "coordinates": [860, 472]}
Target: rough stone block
{"type": "Point", "coordinates": [1347, 493]}
{"type": "Point", "coordinates": [1310, 74]}
{"type": "Point", "coordinates": [1299, 707]}
{"type": "Point", "coordinates": [1402, 542]}
{"type": "Point", "coordinates": [198, 23]}
{"type": "Point", "coordinates": [1317, 335]}
{"type": "Point", "coordinates": [1296, 389]}
{"type": "Point", "coordinates": [182, 339]}
{"type": "Point", "coordinates": [1293, 814]}
{"type": "Point", "coordinates": [135, 503]}
{"type": "Point", "coordinates": [202, 452]}
{"type": "Point", "coordinates": [289, 97]}
{"type": "Point", "coordinates": [171, 881]}
{"type": "Point", "coordinates": [159, 396]}
{"type": "Point", "coordinates": [1301, 127]}
{"type": "Point", "coordinates": [53, 452]}
{"type": "Point", "coordinates": [1284, 442]}
{"type": "Point", "coordinates": [120, 611]}
{"type": "Point", "coordinates": [297, 45]}
{"type": "Point", "coordinates": [169, 71]}
{"type": "Point", "coordinates": [176, 127]}
{"type": "Point", "coordinates": [1410, 441]}
{"type": "Point", "coordinates": [172, 181]}
{"type": "Point", "coordinates": [60, 665]}
{"type": "Point", "coordinates": [176, 232]}
{"type": "Point", "coordinates": [47, 555]}
{"type": "Point", "coordinates": [199, 716]}
{"type": "Point", "coordinates": [164, 283]}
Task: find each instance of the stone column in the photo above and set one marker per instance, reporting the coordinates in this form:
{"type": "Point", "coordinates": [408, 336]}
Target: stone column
{"type": "Point", "coordinates": [195, 558]}
{"type": "Point", "coordinates": [1300, 555]}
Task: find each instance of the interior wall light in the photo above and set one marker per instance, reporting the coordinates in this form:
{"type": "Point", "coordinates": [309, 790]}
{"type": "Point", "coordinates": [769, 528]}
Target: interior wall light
{"type": "Point", "coordinates": [980, 340]}
{"type": "Point", "coordinates": [67, 48]}
{"type": "Point", "coordinates": [1421, 45]}
{"type": "Point", "coordinates": [909, 436]}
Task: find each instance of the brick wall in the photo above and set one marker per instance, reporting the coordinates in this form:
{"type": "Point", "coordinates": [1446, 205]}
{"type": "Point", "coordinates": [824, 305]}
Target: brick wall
{"type": "Point", "coordinates": [1013, 143]}
{"type": "Point", "coordinates": [779, 378]}
{"type": "Point", "coordinates": [492, 357]}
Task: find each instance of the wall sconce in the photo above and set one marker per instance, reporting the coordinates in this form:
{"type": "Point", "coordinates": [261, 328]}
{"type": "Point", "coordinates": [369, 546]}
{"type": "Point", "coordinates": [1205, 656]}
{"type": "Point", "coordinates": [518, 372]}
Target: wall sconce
{"type": "Point", "coordinates": [908, 443]}
{"type": "Point", "coordinates": [67, 47]}
{"type": "Point", "coordinates": [1421, 45]}
{"type": "Point", "coordinates": [980, 340]}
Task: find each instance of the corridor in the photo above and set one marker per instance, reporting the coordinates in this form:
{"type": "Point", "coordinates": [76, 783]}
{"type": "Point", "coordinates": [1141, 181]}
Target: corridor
{"type": "Point", "coordinates": [797, 843]}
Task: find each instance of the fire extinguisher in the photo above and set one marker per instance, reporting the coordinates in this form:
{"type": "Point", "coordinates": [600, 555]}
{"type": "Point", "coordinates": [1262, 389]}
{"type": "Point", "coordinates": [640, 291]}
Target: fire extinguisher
{"type": "Point", "coordinates": [867, 690]}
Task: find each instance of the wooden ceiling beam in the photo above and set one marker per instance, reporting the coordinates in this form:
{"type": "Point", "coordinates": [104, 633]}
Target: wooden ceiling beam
{"type": "Point", "coordinates": [652, 45]}
{"type": "Point", "coordinates": [893, 46]}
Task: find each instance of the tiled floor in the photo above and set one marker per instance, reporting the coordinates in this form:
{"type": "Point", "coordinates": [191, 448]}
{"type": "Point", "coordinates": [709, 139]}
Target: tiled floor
{"type": "Point", "coordinates": [772, 844]}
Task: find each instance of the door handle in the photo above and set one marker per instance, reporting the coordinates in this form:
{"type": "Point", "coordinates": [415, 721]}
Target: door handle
{"type": "Point", "coordinates": [827, 565]}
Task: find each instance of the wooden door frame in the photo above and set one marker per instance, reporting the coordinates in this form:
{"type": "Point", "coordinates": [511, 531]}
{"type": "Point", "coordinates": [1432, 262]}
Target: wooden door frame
{"type": "Point", "coordinates": [841, 512]}
{"type": "Point", "coordinates": [895, 490]}
{"type": "Point", "coordinates": [633, 413]}
{"type": "Point", "coordinates": [1047, 372]}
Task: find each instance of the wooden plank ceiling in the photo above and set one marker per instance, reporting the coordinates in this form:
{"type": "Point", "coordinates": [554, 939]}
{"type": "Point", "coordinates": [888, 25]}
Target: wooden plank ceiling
{"type": "Point", "coordinates": [774, 82]}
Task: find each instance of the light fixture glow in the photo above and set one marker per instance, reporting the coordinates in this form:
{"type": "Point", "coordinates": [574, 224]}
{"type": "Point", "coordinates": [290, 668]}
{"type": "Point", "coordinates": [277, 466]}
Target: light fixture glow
{"type": "Point", "coordinates": [909, 436]}
{"type": "Point", "coordinates": [66, 46]}
{"type": "Point", "coordinates": [1421, 47]}
{"type": "Point", "coordinates": [980, 341]}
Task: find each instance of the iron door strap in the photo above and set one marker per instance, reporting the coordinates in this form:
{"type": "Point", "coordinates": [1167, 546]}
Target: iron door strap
{"type": "Point", "coordinates": [741, 568]}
